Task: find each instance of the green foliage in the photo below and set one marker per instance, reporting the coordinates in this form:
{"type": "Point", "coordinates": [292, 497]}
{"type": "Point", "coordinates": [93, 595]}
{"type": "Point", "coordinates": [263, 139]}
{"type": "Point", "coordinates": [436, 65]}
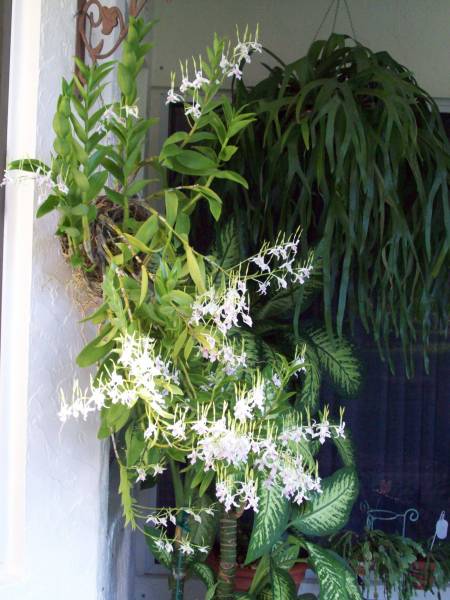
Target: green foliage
{"type": "Point", "coordinates": [328, 512]}
{"type": "Point", "coordinates": [346, 450]}
{"type": "Point", "coordinates": [437, 567]}
{"type": "Point", "coordinates": [337, 357]}
{"type": "Point", "coordinates": [309, 394]}
{"type": "Point", "coordinates": [96, 349]}
{"type": "Point", "coordinates": [282, 584]}
{"type": "Point", "coordinates": [321, 515]}
{"type": "Point", "coordinates": [272, 573]}
{"type": "Point", "coordinates": [381, 558]}
{"type": "Point", "coordinates": [226, 245]}
{"type": "Point", "coordinates": [125, 494]}
{"type": "Point", "coordinates": [153, 276]}
{"type": "Point", "coordinates": [206, 575]}
{"type": "Point", "coordinates": [152, 535]}
{"type": "Point", "coordinates": [133, 56]}
{"type": "Point", "coordinates": [88, 173]}
{"type": "Point", "coordinates": [348, 147]}
{"type": "Point", "coordinates": [336, 581]}
{"type": "Point", "coordinates": [270, 521]}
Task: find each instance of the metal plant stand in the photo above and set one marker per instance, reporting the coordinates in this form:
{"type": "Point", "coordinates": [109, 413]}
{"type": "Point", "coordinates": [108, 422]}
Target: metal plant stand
{"type": "Point", "coordinates": [410, 515]}
{"type": "Point", "coordinates": [377, 514]}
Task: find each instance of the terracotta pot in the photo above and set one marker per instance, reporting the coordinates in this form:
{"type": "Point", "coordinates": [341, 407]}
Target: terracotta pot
{"type": "Point", "coordinates": [423, 570]}
{"type": "Point", "coordinates": [244, 575]}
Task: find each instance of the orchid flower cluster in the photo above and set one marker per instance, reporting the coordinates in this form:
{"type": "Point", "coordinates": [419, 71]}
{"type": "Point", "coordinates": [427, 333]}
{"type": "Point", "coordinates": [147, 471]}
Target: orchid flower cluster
{"type": "Point", "coordinates": [45, 182]}
{"type": "Point", "coordinates": [194, 92]}
{"type": "Point", "coordinates": [229, 308]}
{"type": "Point", "coordinates": [224, 308]}
{"type": "Point", "coordinates": [139, 372]}
{"type": "Point", "coordinates": [229, 445]}
{"type": "Point", "coordinates": [160, 519]}
{"type": "Point", "coordinates": [279, 265]}
{"type": "Point", "coordinates": [116, 115]}
{"type": "Point", "coordinates": [224, 354]}
{"type": "Point", "coordinates": [237, 441]}
{"type": "Point", "coordinates": [227, 431]}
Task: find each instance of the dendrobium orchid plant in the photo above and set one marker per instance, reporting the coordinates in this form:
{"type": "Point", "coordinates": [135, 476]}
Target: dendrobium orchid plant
{"type": "Point", "coordinates": [176, 386]}
{"type": "Point", "coordinates": [196, 93]}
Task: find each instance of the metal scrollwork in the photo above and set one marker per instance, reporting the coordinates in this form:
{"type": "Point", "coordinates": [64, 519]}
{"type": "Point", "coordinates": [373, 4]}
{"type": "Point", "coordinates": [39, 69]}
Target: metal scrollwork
{"type": "Point", "coordinates": [378, 514]}
{"type": "Point", "coordinates": [93, 15]}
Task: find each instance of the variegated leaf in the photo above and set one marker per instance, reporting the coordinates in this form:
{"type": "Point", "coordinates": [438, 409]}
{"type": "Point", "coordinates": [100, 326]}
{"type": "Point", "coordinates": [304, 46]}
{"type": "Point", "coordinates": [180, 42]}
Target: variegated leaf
{"type": "Point", "coordinates": [337, 356]}
{"type": "Point", "coordinates": [309, 395]}
{"type": "Point", "coordinates": [351, 586]}
{"type": "Point", "coordinates": [333, 574]}
{"type": "Point", "coordinates": [329, 511]}
{"type": "Point", "coordinates": [270, 521]}
{"type": "Point", "coordinates": [204, 573]}
{"type": "Point", "coordinates": [283, 586]}
{"type": "Point", "coordinates": [284, 555]}
{"type": "Point", "coordinates": [345, 449]}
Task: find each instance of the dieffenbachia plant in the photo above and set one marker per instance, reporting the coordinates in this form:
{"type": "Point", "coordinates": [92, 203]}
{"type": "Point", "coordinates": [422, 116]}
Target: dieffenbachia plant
{"type": "Point", "coordinates": [176, 387]}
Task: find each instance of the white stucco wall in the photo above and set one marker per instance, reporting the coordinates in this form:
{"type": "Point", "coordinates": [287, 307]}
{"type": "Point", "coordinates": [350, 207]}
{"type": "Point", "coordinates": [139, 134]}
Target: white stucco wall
{"type": "Point", "coordinates": [62, 486]}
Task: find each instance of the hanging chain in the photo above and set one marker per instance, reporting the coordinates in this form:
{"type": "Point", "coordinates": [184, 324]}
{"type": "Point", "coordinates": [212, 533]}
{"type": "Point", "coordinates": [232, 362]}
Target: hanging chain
{"type": "Point", "coordinates": [337, 6]}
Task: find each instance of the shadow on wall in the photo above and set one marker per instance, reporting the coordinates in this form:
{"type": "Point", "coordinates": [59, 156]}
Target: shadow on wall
{"type": "Point", "coordinates": [120, 555]}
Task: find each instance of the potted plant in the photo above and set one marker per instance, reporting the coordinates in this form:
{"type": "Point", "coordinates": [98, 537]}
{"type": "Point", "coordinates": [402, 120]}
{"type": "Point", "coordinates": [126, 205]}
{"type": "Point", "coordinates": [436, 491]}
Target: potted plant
{"type": "Point", "coordinates": [178, 384]}
{"type": "Point", "coordinates": [380, 558]}
{"type": "Point", "coordinates": [335, 134]}
{"type": "Point", "coordinates": [431, 571]}
{"type": "Point", "coordinates": [254, 577]}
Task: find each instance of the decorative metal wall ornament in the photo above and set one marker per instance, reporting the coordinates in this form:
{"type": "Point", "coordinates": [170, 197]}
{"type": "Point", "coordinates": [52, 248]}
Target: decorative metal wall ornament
{"type": "Point", "coordinates": [92, 15]}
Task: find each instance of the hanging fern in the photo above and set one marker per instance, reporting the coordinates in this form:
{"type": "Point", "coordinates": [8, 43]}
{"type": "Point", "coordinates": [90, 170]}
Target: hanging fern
{"type": "Point", "coordinates": [347, 146]}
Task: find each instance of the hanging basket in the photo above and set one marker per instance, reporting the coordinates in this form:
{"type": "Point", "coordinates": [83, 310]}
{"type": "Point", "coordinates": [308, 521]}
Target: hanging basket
{"type": "Point", "coordinates": [88, 280]}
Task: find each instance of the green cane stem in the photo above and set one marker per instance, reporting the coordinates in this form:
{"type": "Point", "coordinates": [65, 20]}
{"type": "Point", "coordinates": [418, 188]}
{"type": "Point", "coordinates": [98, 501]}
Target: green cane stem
{"type": "Point", "coordinates": [227, 565]}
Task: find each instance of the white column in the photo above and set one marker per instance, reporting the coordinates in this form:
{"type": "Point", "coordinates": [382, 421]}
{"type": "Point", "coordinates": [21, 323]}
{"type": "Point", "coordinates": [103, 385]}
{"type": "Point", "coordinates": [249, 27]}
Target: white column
{"type": "Point", "coordinates": [17, 258]}
{"type": "Point", "coordinates": [53, 480]}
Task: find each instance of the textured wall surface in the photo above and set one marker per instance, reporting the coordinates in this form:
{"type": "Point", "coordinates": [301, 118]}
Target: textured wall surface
{"type": "Point", "coordinates": [66, 472]}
